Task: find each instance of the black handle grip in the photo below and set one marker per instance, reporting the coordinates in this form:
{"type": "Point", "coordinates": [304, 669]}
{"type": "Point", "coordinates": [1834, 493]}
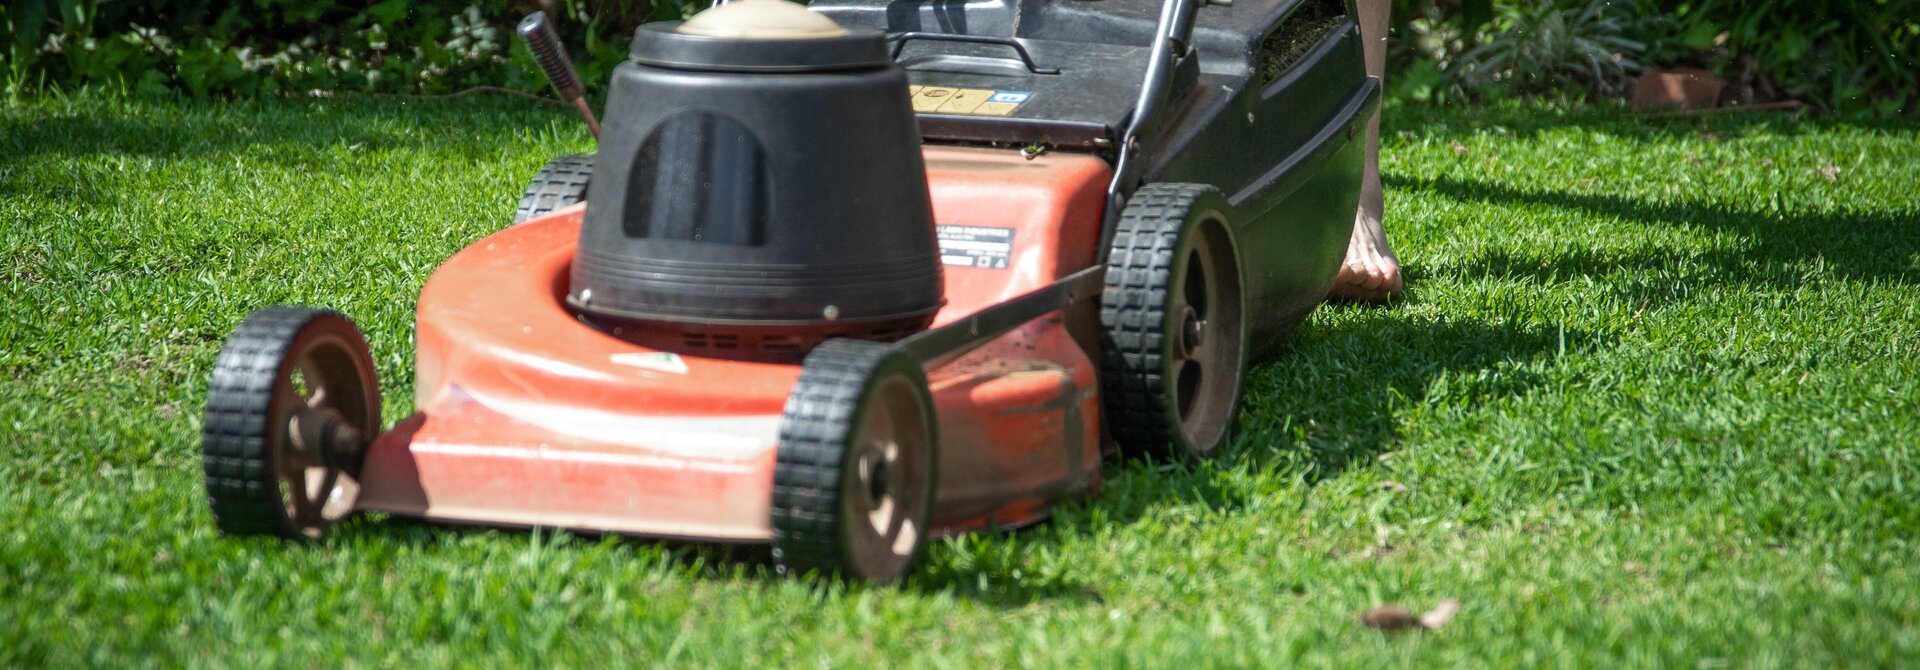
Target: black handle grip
{"type": "Point", "coordinates": [900, 41]}
{"type": "Point", "coordinates": [551, 54]}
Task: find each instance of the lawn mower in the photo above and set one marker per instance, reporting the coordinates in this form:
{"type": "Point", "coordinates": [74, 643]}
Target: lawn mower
{"type": "Point", "coordinates": [841, 279]}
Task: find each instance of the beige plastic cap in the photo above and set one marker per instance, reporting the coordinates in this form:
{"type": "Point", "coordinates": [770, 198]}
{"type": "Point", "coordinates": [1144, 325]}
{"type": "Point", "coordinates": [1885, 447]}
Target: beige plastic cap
{"type": "Point", "coordinates": [761, 20]}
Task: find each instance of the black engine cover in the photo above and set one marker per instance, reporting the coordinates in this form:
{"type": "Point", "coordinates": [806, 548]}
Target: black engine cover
{"type": "Point", "coordinates": [759, 183]}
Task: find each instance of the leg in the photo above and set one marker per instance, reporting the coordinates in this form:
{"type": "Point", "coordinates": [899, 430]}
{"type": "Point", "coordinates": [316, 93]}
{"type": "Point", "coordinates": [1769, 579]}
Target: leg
{"type": "Point", "coordinates": [1371, 273]}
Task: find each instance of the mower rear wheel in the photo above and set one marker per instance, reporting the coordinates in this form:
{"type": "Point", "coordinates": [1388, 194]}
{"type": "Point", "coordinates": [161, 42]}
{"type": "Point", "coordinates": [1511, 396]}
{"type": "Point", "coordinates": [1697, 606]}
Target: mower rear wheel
{"type": "Point", "coordinates": [291, 407]}
{"type": "Point", "coordinates": [561, 183]}
{"type": "Point", "coordinates": [854, 477]}
{"type": "Point", "coordinates": [1174, 354]}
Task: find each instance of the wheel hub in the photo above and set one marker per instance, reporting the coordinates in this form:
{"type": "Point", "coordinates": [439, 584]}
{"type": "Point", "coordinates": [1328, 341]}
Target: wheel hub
{"type": "Point", "coordinates": [878, 478]}
{"type": "Point", "coordinates": [321, 393]}
{"type": "Point", "coordinates": [323, 436]}
{"type": "Point", "coordinates": [1193, 331]}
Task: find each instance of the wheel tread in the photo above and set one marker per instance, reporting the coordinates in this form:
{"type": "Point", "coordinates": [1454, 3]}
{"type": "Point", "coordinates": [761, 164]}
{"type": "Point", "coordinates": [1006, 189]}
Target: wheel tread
{"type": "Point", "coordinates": [813, 445]}
{"type": "Point", "coordinates": [562, 182]}
{"type": "Point", "coordinates": [240, 482]}
{"type": "Point", "coordinates": [242, 488]}
{"type": "Point", "coordinates": [1133, 315]}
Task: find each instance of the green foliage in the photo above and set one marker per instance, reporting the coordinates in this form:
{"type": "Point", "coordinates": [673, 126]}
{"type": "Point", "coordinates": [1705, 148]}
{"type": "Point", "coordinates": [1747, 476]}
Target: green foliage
{"type": "Point", "coordinates": [1842, 55]}
{"type": "Point", "coordinates": [1845, 55]}
{"type": "Point", "coordinates": [1427, 39]}
{"type": "Point", "coordinates": [210, 48]}
{"type": "Point", "coordinates": [1550, 46]}
{"type": "Point", "coordinates": [1563, 48]}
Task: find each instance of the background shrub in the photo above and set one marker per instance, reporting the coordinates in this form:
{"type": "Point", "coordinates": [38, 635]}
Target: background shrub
{"type": "Point", "coordinates": [1552, 46]}
{"type": "Point", "coordinates": [1841, 55]}
{"type": "Point", "coordinates": [249, 47]}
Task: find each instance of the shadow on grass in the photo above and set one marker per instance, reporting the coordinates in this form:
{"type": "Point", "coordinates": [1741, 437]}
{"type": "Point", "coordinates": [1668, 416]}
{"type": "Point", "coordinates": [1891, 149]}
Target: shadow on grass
{"type": "Point", "coordinates": [1323, 406]}
{"type": "Point", "coordinates": [702, 559]}
{"type": "Point", "coordinates": [1868, 245]}
{"type": "Point", "coordinates": [1525, 120]}
{"type": "Point", "coordinates": [198, 128]}
{"type": "Point", "coordinates": [318, 135]}
{"type": "Point", "coordinates": [976, 567]}
{"type": "Point", "coordinates": [1326, 404]}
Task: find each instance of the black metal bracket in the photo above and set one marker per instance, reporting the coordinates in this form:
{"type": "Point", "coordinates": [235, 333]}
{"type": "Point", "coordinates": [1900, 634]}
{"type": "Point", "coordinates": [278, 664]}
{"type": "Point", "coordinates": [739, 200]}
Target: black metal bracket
{"type": "Point", "coordinates": [939, 345]}
{"type": "Point", "coordinates": [900, 41]}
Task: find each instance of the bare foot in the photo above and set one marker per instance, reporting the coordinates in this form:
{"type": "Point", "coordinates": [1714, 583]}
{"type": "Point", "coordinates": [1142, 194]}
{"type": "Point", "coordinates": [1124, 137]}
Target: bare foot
{"type": "Point", "coordinates": [1371, 273]}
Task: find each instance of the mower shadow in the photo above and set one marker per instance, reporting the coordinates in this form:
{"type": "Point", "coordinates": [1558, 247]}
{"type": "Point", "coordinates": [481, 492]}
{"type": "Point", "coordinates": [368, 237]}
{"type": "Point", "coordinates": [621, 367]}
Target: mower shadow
{"type": "Point", "coordinates": [1323, 406]}
{"type": "Point", "coordinates": [992, 577]}
{"type": "Point", "coordinates": [1327, 403]}
{"type": "Point", "coordinates": [701, 559]}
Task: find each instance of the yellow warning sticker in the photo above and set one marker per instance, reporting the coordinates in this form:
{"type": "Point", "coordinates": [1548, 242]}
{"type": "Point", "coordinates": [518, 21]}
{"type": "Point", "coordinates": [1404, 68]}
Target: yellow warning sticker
{"type": "Point", "coordinates": [995, 108]}
{"type": "Point", "coordinates": [966, 101]}
{"type": "Point", "coordinates": [930, 98]}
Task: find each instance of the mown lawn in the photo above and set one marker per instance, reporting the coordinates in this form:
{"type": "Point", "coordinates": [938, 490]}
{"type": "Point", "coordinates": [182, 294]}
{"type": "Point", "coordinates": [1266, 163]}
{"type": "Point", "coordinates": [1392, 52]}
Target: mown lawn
{"type": "Point", "coordinates": [1654, 399]}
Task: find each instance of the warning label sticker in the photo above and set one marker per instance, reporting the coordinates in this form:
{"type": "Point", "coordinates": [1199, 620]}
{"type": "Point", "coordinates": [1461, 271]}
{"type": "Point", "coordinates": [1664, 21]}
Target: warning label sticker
{"type": "Point", "coordinates": [975, 246]}
{"type": "Point", "coordinates": [967, 101]}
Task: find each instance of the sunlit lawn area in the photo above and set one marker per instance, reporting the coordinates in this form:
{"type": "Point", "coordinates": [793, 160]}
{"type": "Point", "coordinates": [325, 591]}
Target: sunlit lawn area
{"type": "Point", "coordinates": [1654, 398]}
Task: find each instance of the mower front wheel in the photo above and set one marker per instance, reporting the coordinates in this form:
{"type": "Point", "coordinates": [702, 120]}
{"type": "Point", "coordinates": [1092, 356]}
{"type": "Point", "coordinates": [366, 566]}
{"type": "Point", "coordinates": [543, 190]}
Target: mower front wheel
{"type": "Point", "coordinates": [291, 407]}
{"type": "Point", "coordinates": [561, 183]}
{"type": "Point", "coordinates": [854, 477]}
{"type": "Point", "coordinates": [1174, 354]}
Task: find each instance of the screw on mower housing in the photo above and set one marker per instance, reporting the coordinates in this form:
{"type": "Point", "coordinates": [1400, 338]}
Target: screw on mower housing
{"type": "Point", "coordinates": [844, 279]}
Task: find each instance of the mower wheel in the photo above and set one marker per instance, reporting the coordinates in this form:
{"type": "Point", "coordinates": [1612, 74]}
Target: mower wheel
{"type": "Point", "coordinates": [562, 182]}
{"type": "Point", "coordinates": [854, 477]}
{"type": "Point", "coordinates": [291, 408]}
{"type": "Point", "coordinates": [1173, 312]}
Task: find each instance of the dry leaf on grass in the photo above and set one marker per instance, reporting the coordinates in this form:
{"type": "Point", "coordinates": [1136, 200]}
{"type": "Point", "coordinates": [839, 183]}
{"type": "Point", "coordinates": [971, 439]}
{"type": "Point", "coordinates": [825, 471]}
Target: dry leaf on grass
{"type": "Point", "coordinates": [1394, 618]}
{"type": "Point", "coordinates": [1390, 618]}
{"type": "Point", "coordinates": [1831, 172]}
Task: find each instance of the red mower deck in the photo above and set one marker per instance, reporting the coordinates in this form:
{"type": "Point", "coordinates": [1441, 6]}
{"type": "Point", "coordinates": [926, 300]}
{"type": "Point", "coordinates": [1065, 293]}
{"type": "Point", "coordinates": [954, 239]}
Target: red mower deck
{"type": "Point", "coordinates": [527, 418]}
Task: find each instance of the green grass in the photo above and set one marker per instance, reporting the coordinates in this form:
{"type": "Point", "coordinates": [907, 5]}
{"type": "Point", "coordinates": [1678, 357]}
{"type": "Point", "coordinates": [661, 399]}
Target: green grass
{"type": "Point", "coordinates": [1653, 400]}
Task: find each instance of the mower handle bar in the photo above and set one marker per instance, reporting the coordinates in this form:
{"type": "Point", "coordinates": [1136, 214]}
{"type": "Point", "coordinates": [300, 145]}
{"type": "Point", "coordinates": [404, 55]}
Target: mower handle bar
{"type": "Point", "coordinates": [1172, 38]}
{"type": "Point", "coordinates": [552, 56]}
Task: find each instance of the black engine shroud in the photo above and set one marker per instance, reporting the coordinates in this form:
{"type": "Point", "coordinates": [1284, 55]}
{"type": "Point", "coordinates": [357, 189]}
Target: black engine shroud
{"type": "Point", "coordinates": [753, 189]}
